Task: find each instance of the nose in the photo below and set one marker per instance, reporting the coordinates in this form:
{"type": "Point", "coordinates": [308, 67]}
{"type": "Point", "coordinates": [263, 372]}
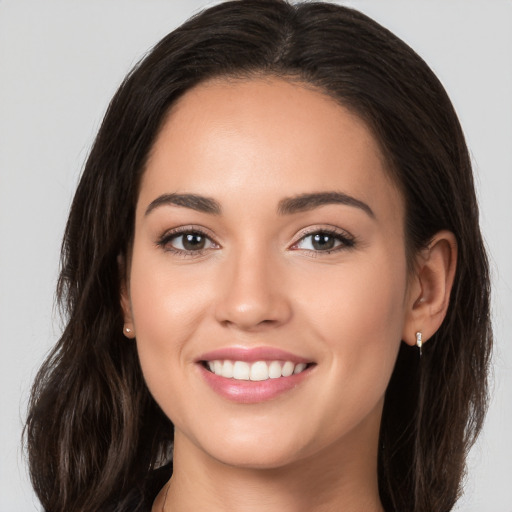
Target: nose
{"type": "Point", "coordinates": [254, 294]}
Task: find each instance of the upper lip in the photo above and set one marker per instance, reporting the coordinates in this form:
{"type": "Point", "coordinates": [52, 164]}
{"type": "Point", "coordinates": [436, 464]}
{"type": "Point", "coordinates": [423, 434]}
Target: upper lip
{"type": "Point", "coordinates": [251, 355]}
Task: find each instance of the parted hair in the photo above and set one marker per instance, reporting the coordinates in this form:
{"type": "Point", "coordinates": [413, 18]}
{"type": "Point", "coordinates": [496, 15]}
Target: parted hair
{"type": "Point", "coordinates": [93, 432]}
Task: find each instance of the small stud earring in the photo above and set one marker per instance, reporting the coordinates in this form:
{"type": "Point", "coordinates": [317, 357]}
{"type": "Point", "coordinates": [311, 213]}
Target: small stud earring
{"type": "Point", "coordinates": [419, 341]}
{"type": "Point", "coordinates": [127, 330]}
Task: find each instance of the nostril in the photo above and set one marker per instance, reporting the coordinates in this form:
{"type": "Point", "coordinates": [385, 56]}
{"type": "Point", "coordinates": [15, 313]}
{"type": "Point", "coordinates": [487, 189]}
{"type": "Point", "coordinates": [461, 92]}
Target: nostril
{"type": "Point", "coordinates": [251, 304]}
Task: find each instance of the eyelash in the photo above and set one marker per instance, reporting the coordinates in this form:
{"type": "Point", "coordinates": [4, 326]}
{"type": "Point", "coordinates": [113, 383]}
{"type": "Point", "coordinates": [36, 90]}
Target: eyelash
{"type": "Point", "coordinates": [346, 240]}
{"type": "Point", "coordinates": [165, 241]}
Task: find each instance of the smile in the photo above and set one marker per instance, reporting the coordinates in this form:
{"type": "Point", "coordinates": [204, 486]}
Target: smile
{"type": "Point", "coordinates": [256, 371]}
{"type": "Point", "coordinates": [253, 375]}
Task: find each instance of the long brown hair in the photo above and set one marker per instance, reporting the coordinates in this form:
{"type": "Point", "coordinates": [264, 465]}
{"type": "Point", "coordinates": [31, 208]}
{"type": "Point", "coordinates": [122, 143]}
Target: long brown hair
{"type": "Point", "coordinates": [93, 431]}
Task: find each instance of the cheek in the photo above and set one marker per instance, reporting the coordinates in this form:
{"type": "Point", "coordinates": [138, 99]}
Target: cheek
{"type": "Point", "coordinates": [166, 298]}
{"type": "Point", "coordinates": [166, 309]}
{"type": "Point", "coordinates": [358, 312]}
{"type": "Point", "coordinates": [364, 297]}
{"type": "Point", "coordinates": [358, 321]}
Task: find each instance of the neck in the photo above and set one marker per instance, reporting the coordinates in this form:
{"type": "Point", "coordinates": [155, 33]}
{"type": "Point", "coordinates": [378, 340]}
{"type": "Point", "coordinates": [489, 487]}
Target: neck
{"type": "Point", "coordinates": [341, 477]}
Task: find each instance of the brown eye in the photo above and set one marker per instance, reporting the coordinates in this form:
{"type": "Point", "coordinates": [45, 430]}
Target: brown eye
{"type": "Point", "coordinates": [187, 242]}
{"type": "Point", "coordinates": [325, 241]}
{"type": "Point", "coordinates": [192, 241]}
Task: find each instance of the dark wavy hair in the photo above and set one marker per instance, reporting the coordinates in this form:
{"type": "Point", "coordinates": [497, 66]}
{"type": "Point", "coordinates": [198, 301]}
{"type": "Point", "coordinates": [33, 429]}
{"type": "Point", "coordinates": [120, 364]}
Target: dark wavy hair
{"type": "Point", "coordinates": [93, 431]}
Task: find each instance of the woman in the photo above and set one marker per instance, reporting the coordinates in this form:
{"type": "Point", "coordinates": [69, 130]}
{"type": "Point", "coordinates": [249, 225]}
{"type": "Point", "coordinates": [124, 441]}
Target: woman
{"type": "Point", "coordinates": [274, 278]}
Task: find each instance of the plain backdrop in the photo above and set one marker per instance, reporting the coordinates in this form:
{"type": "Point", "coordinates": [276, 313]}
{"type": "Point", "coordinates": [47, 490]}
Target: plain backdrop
{"type": "Point", "coordinates": [60, 63]}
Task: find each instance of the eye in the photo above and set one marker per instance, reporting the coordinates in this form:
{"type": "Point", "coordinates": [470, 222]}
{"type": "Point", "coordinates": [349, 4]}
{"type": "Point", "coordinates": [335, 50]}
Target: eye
{"type": "Point", "coordinates": [324, 241]}
{"type": "Point", "coordinates": [187, 242]}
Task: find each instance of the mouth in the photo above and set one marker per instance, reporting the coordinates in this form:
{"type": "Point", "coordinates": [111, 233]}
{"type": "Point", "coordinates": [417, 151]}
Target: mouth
{"type": "Point", "coordinates": [254, 375]}
{"type": "Point", "coordinates": [256, 371]}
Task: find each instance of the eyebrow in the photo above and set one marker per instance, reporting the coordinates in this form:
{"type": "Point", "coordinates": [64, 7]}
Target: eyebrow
{"type": "Point", "coordinates": [192, 201]}
{"type": "Point", "coordinates": [287, 206]}
{"type": "Point", "coordinates": [305, 202]}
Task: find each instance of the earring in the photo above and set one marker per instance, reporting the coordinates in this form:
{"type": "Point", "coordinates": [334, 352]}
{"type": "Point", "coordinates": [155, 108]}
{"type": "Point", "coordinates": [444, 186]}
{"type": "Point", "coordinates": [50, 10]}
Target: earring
{"type": "Point", "coordinates": [419, 341]}
{"type": "Point", "coordinates": [127, 331]}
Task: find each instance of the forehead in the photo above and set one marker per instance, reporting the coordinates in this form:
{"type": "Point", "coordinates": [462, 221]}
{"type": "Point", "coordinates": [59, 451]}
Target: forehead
{"type": "Point", "coordinates": [268, 136]}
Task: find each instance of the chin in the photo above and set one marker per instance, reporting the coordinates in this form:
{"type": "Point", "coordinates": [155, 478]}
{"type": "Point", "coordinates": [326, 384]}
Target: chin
{"type": "Point", "coordinates": [251, 450]}
{"type": "Point", "coordinates": [255, 458]}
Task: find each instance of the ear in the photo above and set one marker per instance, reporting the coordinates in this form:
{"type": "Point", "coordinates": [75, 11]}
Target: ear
{"type": "Point", "coordinates": [430, 287]}
{"type": "Point", "coordinates": [124, 287]}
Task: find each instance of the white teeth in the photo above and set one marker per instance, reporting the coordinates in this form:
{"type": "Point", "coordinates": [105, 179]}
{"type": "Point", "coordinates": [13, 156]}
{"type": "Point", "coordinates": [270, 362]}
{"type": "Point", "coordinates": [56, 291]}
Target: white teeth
{"type": "Point", "coordinates": [217, 367]}
{"type": "Point", "coordinates": [227, 370]}
{"type": "Point", "coordinates": [257, 371]}
{"type": "Point", "coordinates": [274, 370]}
{"type": "Point", "coordinates": [299, 368]}
{"type": "Point", "coordinates": [241, 370]}
{"type": "Point", "coordinates": [288, 368]}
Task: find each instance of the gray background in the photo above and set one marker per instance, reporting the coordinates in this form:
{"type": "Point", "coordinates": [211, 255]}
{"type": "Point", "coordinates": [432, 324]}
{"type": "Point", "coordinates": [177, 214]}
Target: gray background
{"type": "Point", "coordinates": [61, 61]}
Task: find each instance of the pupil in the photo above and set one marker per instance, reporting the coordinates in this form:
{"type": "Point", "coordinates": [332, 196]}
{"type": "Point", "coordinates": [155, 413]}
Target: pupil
{"type": "Point", "coordinates": [193, 241]}
{"type": "Point", "coordinates": [323, 242]}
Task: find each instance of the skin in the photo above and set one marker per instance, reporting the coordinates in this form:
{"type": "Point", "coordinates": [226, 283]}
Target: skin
{"type": "Point", "coordinates": [259, 281]}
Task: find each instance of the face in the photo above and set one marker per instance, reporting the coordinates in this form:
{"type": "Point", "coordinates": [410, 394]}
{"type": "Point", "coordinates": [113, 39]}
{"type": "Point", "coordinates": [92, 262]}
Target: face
{"type": "Point", "coordinates": [267, 285]}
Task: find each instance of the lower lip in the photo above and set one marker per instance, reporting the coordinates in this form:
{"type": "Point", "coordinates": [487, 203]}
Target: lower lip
{"type": "Point", "coordinates": [248, 391]}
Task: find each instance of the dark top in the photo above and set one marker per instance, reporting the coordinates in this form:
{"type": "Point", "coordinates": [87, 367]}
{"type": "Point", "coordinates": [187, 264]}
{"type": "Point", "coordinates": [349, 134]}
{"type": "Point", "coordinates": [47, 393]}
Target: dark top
{"type": "Point", "coordinates": [141, 498]}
